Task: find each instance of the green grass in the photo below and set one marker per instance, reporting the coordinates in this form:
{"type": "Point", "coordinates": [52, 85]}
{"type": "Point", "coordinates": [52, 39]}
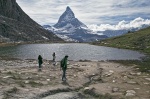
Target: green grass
{"type": "Point", "coordinates": [139, 41]}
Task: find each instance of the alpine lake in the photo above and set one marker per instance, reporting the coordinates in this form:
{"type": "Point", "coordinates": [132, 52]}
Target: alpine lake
{"type": "Point", "coordinates": [75, 51]}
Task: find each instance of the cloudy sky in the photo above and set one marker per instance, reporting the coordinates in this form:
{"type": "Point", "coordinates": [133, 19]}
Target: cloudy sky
{"type": "Point", "coordinates": [91, 12]}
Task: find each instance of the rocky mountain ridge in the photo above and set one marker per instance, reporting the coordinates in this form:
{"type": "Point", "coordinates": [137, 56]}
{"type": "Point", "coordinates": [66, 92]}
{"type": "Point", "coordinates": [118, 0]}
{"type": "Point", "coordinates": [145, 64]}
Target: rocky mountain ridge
{"type": "Point", "coordinates": [17, 26]}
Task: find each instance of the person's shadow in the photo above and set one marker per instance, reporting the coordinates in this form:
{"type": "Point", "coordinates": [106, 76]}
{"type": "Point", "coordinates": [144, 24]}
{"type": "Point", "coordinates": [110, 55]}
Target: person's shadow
{"type": "Point", "coordinates": [65, 83]}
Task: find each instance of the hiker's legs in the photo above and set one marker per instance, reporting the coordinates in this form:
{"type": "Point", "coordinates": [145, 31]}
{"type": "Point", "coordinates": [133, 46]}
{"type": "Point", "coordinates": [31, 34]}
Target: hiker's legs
{"type": "Point", "coordinates": [40, 67]}
{"type": "Point", "coordinates": [64, 74]}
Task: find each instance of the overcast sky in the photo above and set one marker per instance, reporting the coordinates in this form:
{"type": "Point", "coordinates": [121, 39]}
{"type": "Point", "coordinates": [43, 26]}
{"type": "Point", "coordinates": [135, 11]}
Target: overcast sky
{"type": "Point", "coordinates": [89, 12]}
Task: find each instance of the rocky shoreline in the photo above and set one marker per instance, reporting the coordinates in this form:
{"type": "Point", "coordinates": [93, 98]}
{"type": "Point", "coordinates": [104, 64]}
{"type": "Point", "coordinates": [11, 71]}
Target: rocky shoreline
{"type": "Point", "coordinates": [20, 79]}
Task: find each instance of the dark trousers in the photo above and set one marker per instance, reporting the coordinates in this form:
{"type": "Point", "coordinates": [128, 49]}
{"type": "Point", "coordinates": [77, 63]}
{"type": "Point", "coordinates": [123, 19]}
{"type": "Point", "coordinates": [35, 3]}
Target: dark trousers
{"type": "Point", "coordinates": [40, 66]}
{"type": "Point", "coordinates": [64, 75]}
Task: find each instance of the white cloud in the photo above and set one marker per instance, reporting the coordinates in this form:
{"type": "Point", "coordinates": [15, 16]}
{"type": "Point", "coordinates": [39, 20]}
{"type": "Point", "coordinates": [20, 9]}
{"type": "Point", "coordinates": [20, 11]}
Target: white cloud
{"type": "Point", "coordinates": [87, 11]}
{"type": "Point", "coordinates": [136, 23]}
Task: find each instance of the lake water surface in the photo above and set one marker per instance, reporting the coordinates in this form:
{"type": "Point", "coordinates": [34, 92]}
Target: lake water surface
{"type": "Point", "coordinates": [75, 51]}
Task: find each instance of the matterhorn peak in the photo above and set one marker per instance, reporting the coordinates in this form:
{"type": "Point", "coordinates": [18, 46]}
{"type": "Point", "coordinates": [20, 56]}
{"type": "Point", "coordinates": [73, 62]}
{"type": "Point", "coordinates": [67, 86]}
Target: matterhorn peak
{"type": "Point", "coordinates": [70, 28]}
{"type": "Point", "coordinates": [67, 18]}
{"type": "Point", "coordinates": [68, 8]}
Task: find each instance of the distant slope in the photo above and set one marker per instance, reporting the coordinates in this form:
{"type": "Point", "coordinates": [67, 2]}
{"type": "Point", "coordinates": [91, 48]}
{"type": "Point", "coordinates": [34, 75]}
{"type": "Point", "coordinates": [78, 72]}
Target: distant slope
{"type": "Point", "coordinates": [139, 40]}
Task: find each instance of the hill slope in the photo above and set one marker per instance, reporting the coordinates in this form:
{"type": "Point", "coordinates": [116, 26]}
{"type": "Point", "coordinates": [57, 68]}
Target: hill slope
{"type": "Point", "coordinates": [139, 40]}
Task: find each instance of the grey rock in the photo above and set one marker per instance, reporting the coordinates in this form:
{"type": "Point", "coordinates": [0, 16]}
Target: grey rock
{"type": "Point", "coordinates": [131, 82]}
{"type": "Point", "coordinates": [7, 77]}
{"type": "Point", "coordinates": [147, 79]}
{"type": "Point", "coordinates": [27, 82]}
{"type": "Point", "coordinates": [115, 89]}
{"type": "Point", "coordinates": [130, 93]}
{"type": "Point", "coordinates": [145, 83]}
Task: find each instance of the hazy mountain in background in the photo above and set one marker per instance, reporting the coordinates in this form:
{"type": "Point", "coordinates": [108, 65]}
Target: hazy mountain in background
{"type": "Point", "coordinates": [121, 28]}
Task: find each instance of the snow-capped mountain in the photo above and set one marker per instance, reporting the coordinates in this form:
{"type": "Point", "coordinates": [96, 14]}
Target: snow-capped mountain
{"type": "Point", "coordinates": [68, 20]}
{"type": "Point", "coordinates": [68, 26]}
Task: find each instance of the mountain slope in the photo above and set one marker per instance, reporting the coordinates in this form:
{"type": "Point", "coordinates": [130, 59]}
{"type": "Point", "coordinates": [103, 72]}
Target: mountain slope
{"type": "Point", "coordinates": [139, 40]}
{"type": "Point", "coordinates": [15, 25]}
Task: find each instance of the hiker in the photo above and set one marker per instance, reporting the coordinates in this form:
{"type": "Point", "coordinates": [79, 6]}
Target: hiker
{"type": "Point", "coordinates": [63, 64]}
{"type": "Point", "coordinates": [40, 62]}
{"type": "Point", "coordinates": [54, 57]}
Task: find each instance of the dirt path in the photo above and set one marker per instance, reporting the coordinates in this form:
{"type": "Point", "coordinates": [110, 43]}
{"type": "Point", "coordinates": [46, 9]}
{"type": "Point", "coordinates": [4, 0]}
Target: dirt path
{"type": "Point", "coordinates": [20, 79]}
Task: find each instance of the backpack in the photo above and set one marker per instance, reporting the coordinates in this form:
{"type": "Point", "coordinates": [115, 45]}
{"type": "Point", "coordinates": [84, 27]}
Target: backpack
{"type": "Point", "coordinates": [62, 63]}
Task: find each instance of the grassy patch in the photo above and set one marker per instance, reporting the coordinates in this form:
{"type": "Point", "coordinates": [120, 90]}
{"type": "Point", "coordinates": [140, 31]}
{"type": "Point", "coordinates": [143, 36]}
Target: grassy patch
{"type": "Point", "coordinates": [139, 41]}
{"type": "Point", "coordinates": [143, 65]}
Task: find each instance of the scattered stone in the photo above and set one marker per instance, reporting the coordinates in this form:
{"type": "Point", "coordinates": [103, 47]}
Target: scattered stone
{"type": "Point", "coordinates": [130, 77]}
{"type": "Point", "coordinates": [131, 82]}
{"type": "Point", "coordinates": [28, 77]}
{"type": "Point", "coordinates": [84, 65]}
{"type": "Point", "coordinates": [93, 74]}
{"type": "Point", "coordinates": [75, 75]}
{"type": "Point", "coordinates": [145, 83]}
{"type": "Point", "coordinates": [137, 88]}
{"type": "Point", "coordinates": [109, 73]}
{"type": "Point", "coordinates": [115, 89]}
{"type": "Point", "coordinates": [117, 66]}
{"type": "Point", "coordinates": [147, 79]}
{"type": "Point", "coordinates": [26, 82]}
{"type": "Point", "coordinates": [130, 93]}
{"type": "Point", "coordinates": [139, 73]}
{"type": "Point", "coordinates": [76, 65]}
{"type": "Point", "coordinates": [7, 77]}
{"type": "Point", "coordinates": [88, 89]}
{"type": "Point", "coordinates": [113, 81]}
{"type": "Point", "coordinates": [132, 73]}
{"type": "Point", "coordinates": [48, 79]}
